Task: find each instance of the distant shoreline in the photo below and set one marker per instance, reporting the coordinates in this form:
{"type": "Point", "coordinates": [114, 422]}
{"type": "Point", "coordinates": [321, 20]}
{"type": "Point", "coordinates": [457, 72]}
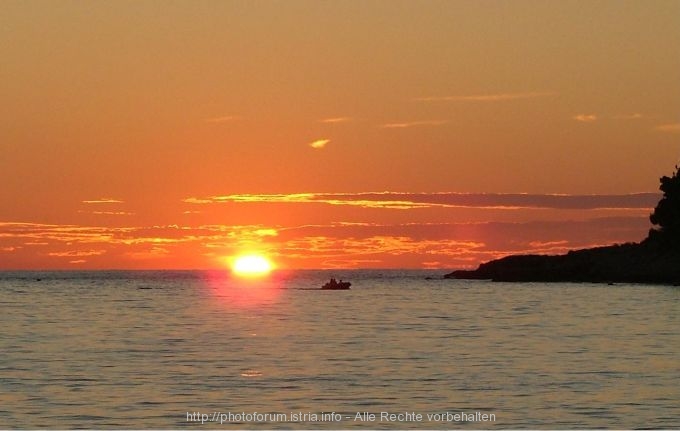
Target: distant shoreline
{"type": "Point", "coordinates": [643, 262]}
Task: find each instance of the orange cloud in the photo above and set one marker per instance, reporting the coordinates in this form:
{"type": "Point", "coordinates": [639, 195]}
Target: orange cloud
{"type": "Point", "coordinates": [635, 116]}
{"type": "Point", "coordinates": [126, 213]}
{"type": "Point", "coordinates": [405, 125]}
{"type": "Point", "coordinates": [403, 200]}
{"type": "Point", "coordinates": [668, 128]}
{"type": "Point", "coordinates": [585, 118]}
{"type": "Point", "coordinates": [77, 253]}
{"type": "Point", "coordinates": [335, 120]}
{"type": "Point", "coordinates": [152, 253]}
{"type": "Point", "coordinates": [103, 201]}
{"type": "Point", "coordinates": [539, 244]}
{"type": "Point", "coordinates": [319, 143]}
{"type": "Point", "coordinates": [499, 97]}
{"type": "Point", "coordinates": [322, 245]}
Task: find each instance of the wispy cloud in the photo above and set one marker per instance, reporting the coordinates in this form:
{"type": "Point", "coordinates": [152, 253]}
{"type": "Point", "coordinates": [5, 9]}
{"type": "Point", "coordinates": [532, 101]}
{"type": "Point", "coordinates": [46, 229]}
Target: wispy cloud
{"type": "Point", "coordinates": [405, 125]}
{"type": "Point", "coordinates": [319, 143]}
{"type": "Point", "coordinates": [401, 200]}
{"type": "Point", "coordinates": [77, 253]}
{"type": "Point", "coordinates": [117, 213]}
{"type": "Point", "coordinates": [498, 97]}
{"type": "Point", "coordinates": [39, 233]}
{"type": "Point", "coordinates": [222, 119]}
{"type": "Point", "coordinates": [74, 235]}
{"type": "Point", "coordinates": [585, 118]}
{"type": "Point", "coordinates": [294, 197]}
{"type": "Point", "coordinates": [543, 244]}
{"type": "Point", "coordinates": [334, 120]}
{"type": "Point", "coordinates": [457, 244]}
{"type": "Point", "coordinates": [151, 253]}
{"type": "Point", "coordinates": [265, 232]}
{"type": "Point", "coordinates": [103, 201]}
{"type": "Point", "coordinates": [337, 244]}
{"type": "Point", "coordinates": [668, 128]}
{"type": "Point", "coordinates": [634, 116]}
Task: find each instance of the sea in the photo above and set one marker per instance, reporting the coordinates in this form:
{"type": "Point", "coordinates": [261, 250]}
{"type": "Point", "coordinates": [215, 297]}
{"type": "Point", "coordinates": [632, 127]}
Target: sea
{"type": "Point", "coordinates": [399, 350]}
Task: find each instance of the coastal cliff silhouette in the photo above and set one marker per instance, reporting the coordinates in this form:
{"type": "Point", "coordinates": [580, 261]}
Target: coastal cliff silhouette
{"type": "Point", "coordinates": [656, 259]}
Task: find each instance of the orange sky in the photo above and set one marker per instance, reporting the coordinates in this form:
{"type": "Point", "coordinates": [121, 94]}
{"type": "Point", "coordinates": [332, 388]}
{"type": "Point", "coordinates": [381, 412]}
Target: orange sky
{"type": "Point", "coordinates": [143, 134]}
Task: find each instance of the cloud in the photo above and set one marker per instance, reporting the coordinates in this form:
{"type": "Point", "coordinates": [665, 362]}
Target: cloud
{"type": "Point", "coordinates": [401, 200]}
{"type": "Point", "coordinates": [103, 201]}
{"type": "Point", "coordinates": [152, 253]}
{"type": "Point", "coordinates": [126, 213]}
{"type": "Point", "coordinates": [435, 264]}
{"type": "Point", "coordinates": [585, 118]}
{"type": "Point", "coordinates": [372, 246]}
{"type": "Point", "coordinates": [222, 119]}
{"type": "Point", "coordinates": [77, 253]}
{"type": "Point", "coordinates": [334, 120]}
{"type": "Point", "coordinates": [498, 97]}
{"type": "Point", "coordinates": [348, 263]}
{"type": "Point", "coordinates": [37, 232]}
{"type": "Point", "coordinates": [319, 143]}
{"type": "Point", "coordinates": [668, 128]}
{"type": "Point", "coordinates": [542, 244]}
{"type": "Point", "coordinates": [455, 244]}
{"type": "Point", "coordinates": [294, 197]}
{"type": "Point", "coordinates": [265, 232]}
{"type": "Point", "coordinates": [413, 124]}
{"type": "Point", "coordinates": [635, 116]}
{"type": "Point", "coordinates": [137, 242]}
{"type": "Point", "coordinates": [449, 244]}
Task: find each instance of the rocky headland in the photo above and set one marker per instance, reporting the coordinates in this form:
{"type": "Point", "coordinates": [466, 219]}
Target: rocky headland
{"type": "Point", "coordinates": [654, 260]}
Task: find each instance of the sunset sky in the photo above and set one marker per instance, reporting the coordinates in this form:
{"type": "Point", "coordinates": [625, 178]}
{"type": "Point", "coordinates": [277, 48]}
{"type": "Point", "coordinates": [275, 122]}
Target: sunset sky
{"type": "Point", "coordinates": [330, 134]}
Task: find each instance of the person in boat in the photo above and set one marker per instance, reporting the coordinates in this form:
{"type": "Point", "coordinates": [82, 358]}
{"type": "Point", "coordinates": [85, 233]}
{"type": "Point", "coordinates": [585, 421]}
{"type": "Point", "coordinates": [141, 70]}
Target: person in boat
{"type": "Point", "coordinates": [333, 282]}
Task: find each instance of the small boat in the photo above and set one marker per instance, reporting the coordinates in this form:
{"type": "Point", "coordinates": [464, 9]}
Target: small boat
{"type": "Point", "coordinates": [336, 285]}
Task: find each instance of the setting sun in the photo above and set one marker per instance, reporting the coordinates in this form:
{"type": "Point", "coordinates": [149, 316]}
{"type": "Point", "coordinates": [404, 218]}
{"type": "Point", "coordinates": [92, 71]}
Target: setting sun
{"type": "Point", "coordinates": [252, 265]}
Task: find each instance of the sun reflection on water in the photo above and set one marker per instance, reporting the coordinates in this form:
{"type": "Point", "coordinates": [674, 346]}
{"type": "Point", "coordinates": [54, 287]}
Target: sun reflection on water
{"type": "Point", "coordinates": [243, 293]}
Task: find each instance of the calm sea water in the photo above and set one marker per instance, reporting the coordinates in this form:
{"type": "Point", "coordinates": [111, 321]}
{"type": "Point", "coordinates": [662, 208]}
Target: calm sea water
{"type": "Point", "coordinates": [162, 349]}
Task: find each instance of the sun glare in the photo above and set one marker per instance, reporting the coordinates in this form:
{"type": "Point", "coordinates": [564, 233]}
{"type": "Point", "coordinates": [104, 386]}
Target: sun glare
{"type": "Point", "coordinates": [252, 265]}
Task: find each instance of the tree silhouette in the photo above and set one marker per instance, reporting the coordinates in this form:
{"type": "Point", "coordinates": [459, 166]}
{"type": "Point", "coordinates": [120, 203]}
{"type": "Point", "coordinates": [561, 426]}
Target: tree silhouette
{"type": "Point", "coordinates": [666, 215]}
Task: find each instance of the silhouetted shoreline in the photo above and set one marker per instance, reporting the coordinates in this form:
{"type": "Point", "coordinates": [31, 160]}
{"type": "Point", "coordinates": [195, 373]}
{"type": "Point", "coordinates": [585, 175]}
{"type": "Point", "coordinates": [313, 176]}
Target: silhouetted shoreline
{"type": "Point", "coordinates": [655, 260]}
{"type": "Point", "coordinates": [626, 263]}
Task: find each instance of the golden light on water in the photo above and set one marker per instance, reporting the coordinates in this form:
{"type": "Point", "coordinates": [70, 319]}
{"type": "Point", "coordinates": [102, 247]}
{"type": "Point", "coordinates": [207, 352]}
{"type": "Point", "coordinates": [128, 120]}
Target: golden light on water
{"type": "Point", "coordinates": [251, 265]}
